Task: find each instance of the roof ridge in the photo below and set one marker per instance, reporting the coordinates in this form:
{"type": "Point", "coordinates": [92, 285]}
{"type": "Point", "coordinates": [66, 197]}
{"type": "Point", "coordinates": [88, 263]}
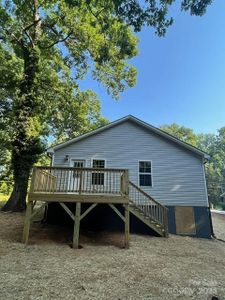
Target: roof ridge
{"type": "Point", "coordinates": [138, 121]}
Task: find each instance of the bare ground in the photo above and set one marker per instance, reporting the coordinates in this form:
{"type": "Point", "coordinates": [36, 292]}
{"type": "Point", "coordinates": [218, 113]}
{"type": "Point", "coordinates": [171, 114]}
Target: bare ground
{"type": "Point", "coordinates": [153, 268]}
{"type": "Point", "coordinates": [219, 225]}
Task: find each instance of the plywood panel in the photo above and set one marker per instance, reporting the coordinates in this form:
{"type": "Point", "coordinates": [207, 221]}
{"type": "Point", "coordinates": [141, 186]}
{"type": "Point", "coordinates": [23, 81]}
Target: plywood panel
{"type": "Point", "coordinates": [185, 220]}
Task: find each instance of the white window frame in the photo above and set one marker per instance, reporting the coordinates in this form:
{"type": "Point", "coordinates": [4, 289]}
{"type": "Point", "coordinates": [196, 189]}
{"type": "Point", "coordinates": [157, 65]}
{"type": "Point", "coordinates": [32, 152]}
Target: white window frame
{"type": "Point", "coordinates": [71, 160]}
{"type": "Point", "coordinates": [77, 159]}
{"type": "Point", "coordinates": [96, 158]}
{"type": "Point", "coordinates": [141, 173]}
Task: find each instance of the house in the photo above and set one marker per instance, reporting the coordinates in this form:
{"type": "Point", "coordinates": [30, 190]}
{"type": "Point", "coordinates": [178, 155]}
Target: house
{"type": "Point", "coordinates": [159, 165]}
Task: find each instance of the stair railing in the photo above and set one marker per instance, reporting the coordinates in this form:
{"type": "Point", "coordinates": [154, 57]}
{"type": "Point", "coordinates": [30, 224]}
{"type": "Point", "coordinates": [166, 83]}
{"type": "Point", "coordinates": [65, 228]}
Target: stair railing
{"type": "Point", "coordinates": [149, 206]}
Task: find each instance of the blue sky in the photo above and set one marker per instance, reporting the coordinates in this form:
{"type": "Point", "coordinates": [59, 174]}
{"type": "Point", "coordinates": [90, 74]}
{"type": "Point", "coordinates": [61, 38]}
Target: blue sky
{"type": "Point", "coordinates": [181, 77]}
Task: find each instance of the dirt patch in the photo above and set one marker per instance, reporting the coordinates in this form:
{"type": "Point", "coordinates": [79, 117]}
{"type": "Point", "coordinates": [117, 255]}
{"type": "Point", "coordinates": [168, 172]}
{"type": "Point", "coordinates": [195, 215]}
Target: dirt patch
{"type": "Point", "coordinates": [153, 268]}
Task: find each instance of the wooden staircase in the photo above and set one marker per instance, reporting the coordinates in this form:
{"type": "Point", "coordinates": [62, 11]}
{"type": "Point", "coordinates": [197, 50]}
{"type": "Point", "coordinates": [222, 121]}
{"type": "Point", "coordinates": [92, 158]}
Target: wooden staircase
{"type": "Point", "coordinates": [148, 210]}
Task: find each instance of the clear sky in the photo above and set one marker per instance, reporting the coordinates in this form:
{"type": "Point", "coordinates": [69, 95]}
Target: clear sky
{"type": "Point", "coordinates": [181, 77]}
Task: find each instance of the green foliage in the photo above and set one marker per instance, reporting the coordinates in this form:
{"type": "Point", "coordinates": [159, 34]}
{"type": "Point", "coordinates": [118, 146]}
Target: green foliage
{"type": "Point", "coordinates": [154, 13]}
{"type": "Point", "coordinates": [186, 135]}
{"type": "Point", "coordinates": [5, 153]}
{"type": "Point", "coordinates": [196, 7]}
{"type": "Point", "coordinates": [46, 48]}
{"type": "Point", "coordinates": [215, 169]}
{"type": "Point", "coordinates": [77, 116]}
{"type": "Point", "coordinates": [220, 206]}
{"type": "Point", "coordinates": [5, 188]}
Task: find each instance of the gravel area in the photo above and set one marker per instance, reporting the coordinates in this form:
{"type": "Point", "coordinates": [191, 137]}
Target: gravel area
{"type": "Point", "coordinates": [153, 268]}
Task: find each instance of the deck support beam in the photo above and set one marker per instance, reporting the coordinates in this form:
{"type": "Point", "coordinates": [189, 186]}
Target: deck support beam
{"type": "Point", "coordinates": [117, 211]}
{"type": "Point", "coordinates": [37, 210]}
{"type": "Point", "coordinates": [76, 231]}
{"type": "Point", "coordinates": [67, 210]}
{"type": "Point", "coordinates": [126, 220]}
{"type": "Point", "coordinates": [88, 210]}
{"type": "Point", "coordinates": [127, 226]}
{"type": "Point", "coordinates": [26, 228]}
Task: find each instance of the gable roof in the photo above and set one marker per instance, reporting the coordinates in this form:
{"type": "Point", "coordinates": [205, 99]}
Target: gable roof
{"type": "Point", "coordinates": [136, 121]}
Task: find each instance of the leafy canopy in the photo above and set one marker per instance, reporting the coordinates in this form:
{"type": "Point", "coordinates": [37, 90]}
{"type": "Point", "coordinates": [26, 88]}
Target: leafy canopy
{"type": "Point", "coordinates": [66, 39]}
{"type": "Point", "coordinates": [185, 134]}
{"type": "Point", "coordinates": [59, 41]}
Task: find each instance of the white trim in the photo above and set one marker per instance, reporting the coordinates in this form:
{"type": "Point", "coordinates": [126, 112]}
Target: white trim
{"type": "Point", "coordinates": [95, 158]}
{"type": "Point", "coordinates": [71, 159]}
{"type": "Point", "coordinates": [141, 173]}
{"type": "Point", "coordinates": [205, 184]}
{"type": "Point", "coordinates": [137, 121]}
{"type": "Point", "coordinates": [53, 160]}
{"type": "Point", "coordinates": [77, 159]}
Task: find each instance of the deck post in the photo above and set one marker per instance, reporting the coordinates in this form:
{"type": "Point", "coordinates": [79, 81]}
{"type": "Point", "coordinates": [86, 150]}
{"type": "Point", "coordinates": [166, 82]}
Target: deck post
{"type": "Point", "coordinates": [76, 231]}
{"type": "Point", "coordinates": [127, 226]}
{"type": "Point", "coordinates": [165, 218]}
{"type": "Point", "coordinates": [125, 183]}
{"type": "Point", "coordinates": [26, 228]}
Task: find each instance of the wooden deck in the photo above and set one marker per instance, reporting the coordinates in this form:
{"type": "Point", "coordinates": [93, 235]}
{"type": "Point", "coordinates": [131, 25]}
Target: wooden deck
{"type": "Point", "coordinates": [83, 198]}
{"type": "Point", "coordinates": [85, 185]}
{"type": "Point", "coordinates": [91, 185]}
{"type": "Point", "coordinates": [78, 185]}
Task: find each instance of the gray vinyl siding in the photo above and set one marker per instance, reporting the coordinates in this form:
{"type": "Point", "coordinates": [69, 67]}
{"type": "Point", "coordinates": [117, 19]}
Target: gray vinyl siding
{"type": "Point", "coordinates": [177, 173]}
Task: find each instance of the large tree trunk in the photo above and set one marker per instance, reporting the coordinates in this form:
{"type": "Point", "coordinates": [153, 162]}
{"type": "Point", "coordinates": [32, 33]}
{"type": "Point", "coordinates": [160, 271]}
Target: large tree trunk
{"type": "Point", "coordinates": [26, 145]}
{"type": "Point", "coordinates": [17, 200]}
{"type": "Point", "coordinates": [25, 153]}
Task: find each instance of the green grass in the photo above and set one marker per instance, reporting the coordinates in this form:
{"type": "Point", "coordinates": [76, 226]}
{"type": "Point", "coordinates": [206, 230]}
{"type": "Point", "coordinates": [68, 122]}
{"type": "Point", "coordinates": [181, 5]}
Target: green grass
{"type": "Point", "coordinates": [3, 199]}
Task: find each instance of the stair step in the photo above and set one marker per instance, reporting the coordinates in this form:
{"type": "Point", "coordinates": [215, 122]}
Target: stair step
{"type": "Point", "coordinates": [143, 213]}
{"type": "Point", "coordinates": [152, 223]}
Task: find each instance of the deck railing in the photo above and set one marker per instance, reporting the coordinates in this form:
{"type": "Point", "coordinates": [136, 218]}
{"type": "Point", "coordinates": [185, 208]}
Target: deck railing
{"type": "Point", "coordinates": [79, 180]}
{"type": "Point", "coordinates": [148, 205]}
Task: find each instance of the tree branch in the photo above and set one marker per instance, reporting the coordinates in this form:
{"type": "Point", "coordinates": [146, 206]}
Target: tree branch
{"type": "Point", "coordinates": [57, 42]}
{"type": "Point", "coordinates": [37, 22]}
{"type": "Point", "coordinates": [29, 37]}
{"type": "Point", "coordinates": [31, 25]}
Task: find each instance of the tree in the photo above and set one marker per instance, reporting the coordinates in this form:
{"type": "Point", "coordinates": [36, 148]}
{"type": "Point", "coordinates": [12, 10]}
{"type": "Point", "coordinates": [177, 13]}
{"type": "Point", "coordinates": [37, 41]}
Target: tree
{"type": "Point", "coordinates": [47, 46]}
{"type": "Point", "coordinates": [77, 116]}
{"type": "Point", "coordinates": [185, 134]}
{"type": "Point", "coordinates": [214, 145]}
{"type": "Point", "coordinates": [5, 155]}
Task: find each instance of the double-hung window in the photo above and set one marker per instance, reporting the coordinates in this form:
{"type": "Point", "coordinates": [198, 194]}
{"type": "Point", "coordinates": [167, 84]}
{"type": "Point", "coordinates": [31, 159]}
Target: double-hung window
{"type": "Point", "coordinates": [98, 178]}
{"type": "Point", "coordinates": [145, 173]}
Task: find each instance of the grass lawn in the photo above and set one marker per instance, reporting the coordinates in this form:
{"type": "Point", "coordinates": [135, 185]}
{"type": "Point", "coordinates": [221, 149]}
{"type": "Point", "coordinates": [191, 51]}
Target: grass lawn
{"type": "Point", "coordinates": [3, 199]}
{"type": "Point", "coordinates": [153, 268]}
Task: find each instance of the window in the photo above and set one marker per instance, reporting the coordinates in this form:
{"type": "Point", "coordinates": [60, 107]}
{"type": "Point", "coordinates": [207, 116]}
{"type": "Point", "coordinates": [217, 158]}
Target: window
{"type": "Point", "coordinates": [77, 164]}
{"type": "Point", "coordinates": [145, 173]}
{"type": "Point", "coordinates": [98, 163]}
{"type": "Point", "coordinates": [98, 178]}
